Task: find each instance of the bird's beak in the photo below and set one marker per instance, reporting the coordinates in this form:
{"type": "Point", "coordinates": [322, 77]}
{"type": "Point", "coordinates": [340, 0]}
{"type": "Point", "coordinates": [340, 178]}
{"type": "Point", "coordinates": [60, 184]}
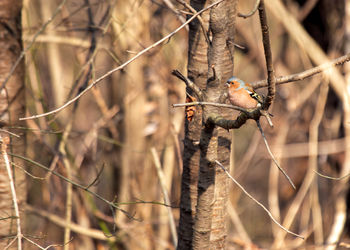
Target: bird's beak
{"type": "Point", "coordinates": [227, 84]}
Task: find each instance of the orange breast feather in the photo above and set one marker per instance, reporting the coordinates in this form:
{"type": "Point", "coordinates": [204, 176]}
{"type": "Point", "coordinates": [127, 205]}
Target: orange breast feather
{"type": "Point", "coordinates": [241, 98]}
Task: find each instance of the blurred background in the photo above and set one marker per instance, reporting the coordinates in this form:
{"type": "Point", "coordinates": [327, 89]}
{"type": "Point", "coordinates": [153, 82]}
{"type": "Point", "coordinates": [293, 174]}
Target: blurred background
{"type": "Point", "coordinates": [104, 141]}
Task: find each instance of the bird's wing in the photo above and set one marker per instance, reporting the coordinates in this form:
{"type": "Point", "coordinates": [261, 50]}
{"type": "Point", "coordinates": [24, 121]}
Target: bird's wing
{"type": "Point", "coordinates": [256, 96]}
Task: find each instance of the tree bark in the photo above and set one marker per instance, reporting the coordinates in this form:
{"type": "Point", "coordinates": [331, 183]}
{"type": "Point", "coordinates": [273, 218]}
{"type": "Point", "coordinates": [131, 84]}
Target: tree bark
{"type": "Point", "coordinates": [203, 226]}
{"type": "Point", "coordinates": [197, 71]}
{"type": "Point", "coordinates": [12, 103]}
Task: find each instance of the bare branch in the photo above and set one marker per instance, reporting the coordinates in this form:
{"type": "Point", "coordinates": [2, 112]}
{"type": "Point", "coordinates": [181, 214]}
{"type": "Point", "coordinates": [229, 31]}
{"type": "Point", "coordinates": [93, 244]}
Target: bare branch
{"type": "Point", "coordinates": [45, 248]}
{"type": "Point", "coordinates": [222, 105]}
{"type": "Point", "coordinates": [171, 6]}
{"type": "Point", "coordinates": [272, 157]}
{"type": "Point", "coordinates": [257, 202]}
{"type": "Point", "coordinates": [220, 121]}
{"type": "Point", "coordinates": [305, 74]}
{"type": "Point", "coordinates": [252, 12]}
{"type": "Point", "coordinates": [189, 83]}
{"type": "Point", "coordinates": [267, 116]}
{"type": "Point", "coordinates": [71, 101]}
{"type": "Point", "coordinates": [271, 80]}
{"type": "Point", "coordinates": [332, 178]}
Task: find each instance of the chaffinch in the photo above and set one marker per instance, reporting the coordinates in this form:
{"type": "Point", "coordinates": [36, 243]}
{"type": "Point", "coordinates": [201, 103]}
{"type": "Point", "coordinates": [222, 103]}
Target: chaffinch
{"type": "Point", "coordinates": [242, 94]}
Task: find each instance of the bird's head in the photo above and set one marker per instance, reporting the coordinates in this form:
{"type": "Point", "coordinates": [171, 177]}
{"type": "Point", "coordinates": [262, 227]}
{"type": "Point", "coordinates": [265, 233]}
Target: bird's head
{"type": "Point", "coordinates": [234, 82]}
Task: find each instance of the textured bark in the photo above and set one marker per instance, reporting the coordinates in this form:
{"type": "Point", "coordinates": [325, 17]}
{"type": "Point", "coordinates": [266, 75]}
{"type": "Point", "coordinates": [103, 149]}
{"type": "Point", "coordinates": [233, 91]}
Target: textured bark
{"type": "Point", "coordinates": [224, 61]}
{"type": "Point", "coordinates": [197, 72]}
{"type": "Point", "coordinates": [11, 108]}
{"type": "Point", "coordinates": [206, 181]}
{"type": "Point", "coordinates": [210, 228]}
{"type": "Point", "coordinates": [206, 222]}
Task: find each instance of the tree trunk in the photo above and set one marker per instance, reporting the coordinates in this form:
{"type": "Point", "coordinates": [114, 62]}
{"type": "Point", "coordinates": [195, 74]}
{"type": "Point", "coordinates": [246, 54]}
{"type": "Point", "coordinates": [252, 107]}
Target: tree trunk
{"type": "Point", "coordinates": [197, 72]}
{"type": "Point", "coordinates": [222, 56]}
{"type": "Point", "coordinates": [11, 108]}
{"type": "Point", "coordinates": [202, 218]}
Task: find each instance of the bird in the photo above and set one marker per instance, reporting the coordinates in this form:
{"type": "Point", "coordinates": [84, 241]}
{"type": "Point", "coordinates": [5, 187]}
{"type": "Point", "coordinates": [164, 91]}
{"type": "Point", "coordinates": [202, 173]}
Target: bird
{"type": "Point", "coordinates": [242, 94]}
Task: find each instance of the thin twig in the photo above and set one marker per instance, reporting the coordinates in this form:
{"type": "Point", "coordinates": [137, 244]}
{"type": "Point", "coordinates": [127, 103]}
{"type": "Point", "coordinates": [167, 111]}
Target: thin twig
{"type": "Point", "coordinates": [4, 143]}
{"type": "Point", "coordinates": [257, 202]}
{"type": "Point", "coordinates": [267, 116]}
{"type": "Point", "coordinates": [272, 157]}
{"type": "Point", "coordinates": [99, 173]}
{"type": "Point", "coordinates": [331, 177]}
{"type": "Point", "coordinates": [79, 229]}
{"type": "Point", "coordinates": [40, 247]}
{"type": "Point", "coordinates": [139, 201]}
{"type": "Point", "coordinates": [305, 74]}
{"type": "Point", "coordinates": [27, 172]}
{"type": "Point", "coordinates": [171, 6]}
{"type": "Point", "coordinates": [252, 12]}
{"type": "Point", "coordinates": [188, 83]}
{"type": "Point", "coordinates": [10, 243]}
{"type": "Point", "coordinates": [222, 105]}
{"type": "Point", "coordinates": [121, 66]}
{"type": "Point", "coordinates": [205, 32]}
{"type": "Point", "coordinates": [34, 243]}
{"type": "Point", "coordinates": [10, 133]}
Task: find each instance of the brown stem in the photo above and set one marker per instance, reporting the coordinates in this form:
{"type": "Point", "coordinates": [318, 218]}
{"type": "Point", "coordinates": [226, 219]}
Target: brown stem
{"type": "Point", "coordinates": [189, 83]}
{"type": "Point", "coordinates": [272, 156]}
{"type": "Point", "coordinates": [271, 80]}
{"type": "Point", "coordinates": [227, 124]}
{"type": "Point", "coordinates": [252, 12]}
